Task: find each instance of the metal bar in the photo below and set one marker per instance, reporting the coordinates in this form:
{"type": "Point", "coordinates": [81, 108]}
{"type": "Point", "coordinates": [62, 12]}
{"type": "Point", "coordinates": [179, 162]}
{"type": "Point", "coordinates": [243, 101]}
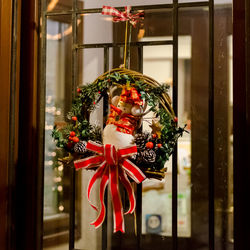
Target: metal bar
{"type": "Point", "coordinates": [138, 215]}
{"type": "Point", "coordinates": [105, 111]}
{"type": "Point", "coordinates": [211, 126]}
{"type": "Point", "coordinates": [193, 4]}
{"type": "Point", "coordinates": [241, 121]}
{"type": "Point", "coordinates": [106, 59]}
{"type": "Point", "coordinates": [114, 45]}
{"type": "Point", "coordinates": [42, 96]}
{"type": "Point", "coordinates": [73, 174]}
{"type": "Point", "coordinates": [139, 186]}
{"type": "Point", "coordinates": [135, 8]}
{"type": "Point", "coordinates": [175, 106]}
{"type": "Point", "coordinates": [72, 210]}
{"type": "Point", "coordinates": [99, 10]}
{"type": "Point", "coordinates": [140, 56]}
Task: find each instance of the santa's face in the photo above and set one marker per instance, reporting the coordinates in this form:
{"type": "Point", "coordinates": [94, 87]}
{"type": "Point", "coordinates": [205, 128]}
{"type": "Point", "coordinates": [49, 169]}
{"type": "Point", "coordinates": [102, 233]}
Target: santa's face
{"type": "Point", "coordinates": [124, 107]}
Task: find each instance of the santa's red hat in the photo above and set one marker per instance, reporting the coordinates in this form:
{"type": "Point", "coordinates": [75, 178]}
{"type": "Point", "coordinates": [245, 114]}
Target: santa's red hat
{"type": "Point", "coordinates": [131, 95]}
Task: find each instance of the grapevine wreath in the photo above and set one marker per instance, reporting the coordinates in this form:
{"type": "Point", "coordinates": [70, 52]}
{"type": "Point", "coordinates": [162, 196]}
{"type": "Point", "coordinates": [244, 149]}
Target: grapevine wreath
{"type": "Point", "coordinates": [121, 149]}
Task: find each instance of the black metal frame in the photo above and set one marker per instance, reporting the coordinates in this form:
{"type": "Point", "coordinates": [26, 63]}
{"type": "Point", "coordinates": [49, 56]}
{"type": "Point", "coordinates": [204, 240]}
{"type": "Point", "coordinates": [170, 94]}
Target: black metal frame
{"type": "Point", "coordinates": [241, 121]}
{"type": "Point", "coordinates": [174, 42]}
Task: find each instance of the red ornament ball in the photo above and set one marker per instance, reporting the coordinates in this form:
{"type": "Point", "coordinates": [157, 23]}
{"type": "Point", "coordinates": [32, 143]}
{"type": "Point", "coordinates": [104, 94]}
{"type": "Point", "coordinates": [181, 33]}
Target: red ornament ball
{"type": "Point", "coordinates": [175, 119]}
{"type": "Point", "coordinates": [70, 138]}
{"type": "Point", "coordinates": [79, 90]}
{"type": "Point", "coordinates": [159, 145]}
{"type": "Point", "coordinates": [154, 135]}
{"type": "Point", "coordinates": [149, 144]}
{"type": "Point", "coordinates": [74, 118]}
{"type": "Point", "coordinates": [72, 133]}
{"type": "Point", "coordinates": [75, 139]}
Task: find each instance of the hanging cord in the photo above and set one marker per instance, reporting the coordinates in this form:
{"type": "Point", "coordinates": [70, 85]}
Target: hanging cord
{"type": "Point", "coordinates": [129, 42]}
{"type": "Point", "coordinates": [125, 48]}
{"type": "Point", "coordinates": [126, 63]}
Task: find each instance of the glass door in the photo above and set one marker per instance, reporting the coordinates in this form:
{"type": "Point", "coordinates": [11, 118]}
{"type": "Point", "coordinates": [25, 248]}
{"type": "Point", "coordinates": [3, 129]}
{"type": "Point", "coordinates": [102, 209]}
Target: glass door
{"type": "Point", "coordinates": [177, 43]}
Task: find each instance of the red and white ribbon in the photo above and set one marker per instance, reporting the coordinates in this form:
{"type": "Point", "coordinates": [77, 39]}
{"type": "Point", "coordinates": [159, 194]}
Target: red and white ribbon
{"type": "Point", "coordinates": [112, 165]}
{"type": "Point", "coordinates": [119, 16]}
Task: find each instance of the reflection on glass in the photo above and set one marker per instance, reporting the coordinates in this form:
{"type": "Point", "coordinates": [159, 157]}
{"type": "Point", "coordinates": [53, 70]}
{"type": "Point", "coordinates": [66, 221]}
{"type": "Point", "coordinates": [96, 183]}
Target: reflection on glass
{"type": "Point", "coordinates": [223, 135]}
{"type": "Point", "coordinates": [55, 108]}
{"type": "Point", "coordinates": [58, 82]}
{"type": "Point", "coordinates": [55, 5]}
{"type": "Point", "coordinates": [157, 218]}
{"type": "Point", "coordinates": [157, 62]}
{"type": "Point", "coordinates": [90, 66]}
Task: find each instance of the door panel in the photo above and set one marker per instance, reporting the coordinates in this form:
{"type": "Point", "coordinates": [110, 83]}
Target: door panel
{"type": "Point", "coordinates": [174, 45]}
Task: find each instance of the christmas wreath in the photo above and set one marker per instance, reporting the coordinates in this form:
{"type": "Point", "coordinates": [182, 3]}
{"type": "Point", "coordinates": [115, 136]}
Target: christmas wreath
{"type": "Point", "coordinates": [130, 92]}
{"type": "Point", "coordinates": [121, 148]}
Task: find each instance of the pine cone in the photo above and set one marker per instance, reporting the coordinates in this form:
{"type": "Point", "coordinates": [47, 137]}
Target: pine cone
{"type": "Point", "coordinates": [148, 156]}
{"type": "Point", "coordinates": [80, 147]}
{"type": "Point", "coordinates": [141, 140]}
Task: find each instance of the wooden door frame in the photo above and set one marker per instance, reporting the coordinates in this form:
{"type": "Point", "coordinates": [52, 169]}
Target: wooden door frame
{"type": "Point", "coordinates": [10, 16]}
{"type": "Point", "coordinates": [5, 66]}
{"type": "Point", "coordinates": [29, 191]}
{"type": "Point", "coordinates": [29, 234]}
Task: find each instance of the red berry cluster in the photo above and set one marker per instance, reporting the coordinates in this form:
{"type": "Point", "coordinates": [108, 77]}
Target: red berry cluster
{"type": "Point", "coordinates": [72, 136]}
{"type": "Point", "coordinates": [151, 145]}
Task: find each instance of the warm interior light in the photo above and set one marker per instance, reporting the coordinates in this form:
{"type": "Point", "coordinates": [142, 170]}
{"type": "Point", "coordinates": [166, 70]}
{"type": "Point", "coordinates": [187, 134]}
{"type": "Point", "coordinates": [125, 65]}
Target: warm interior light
{"type": "Point", "coordinates": [60, 35]}
{"type": "Point", "coordinates": [52, 5]}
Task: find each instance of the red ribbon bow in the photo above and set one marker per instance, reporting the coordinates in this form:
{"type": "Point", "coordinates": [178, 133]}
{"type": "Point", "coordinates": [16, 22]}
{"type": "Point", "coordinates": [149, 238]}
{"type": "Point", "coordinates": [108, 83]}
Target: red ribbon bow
{"type": "Point", "coordinates": [119, 16]}
{"type": "Point", "coordinates": [113, 164]}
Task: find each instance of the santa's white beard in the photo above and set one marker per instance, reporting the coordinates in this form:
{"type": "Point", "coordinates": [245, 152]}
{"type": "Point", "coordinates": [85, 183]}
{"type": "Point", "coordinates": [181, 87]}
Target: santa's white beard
{"type": "Point", "coordinates": [116, 138]}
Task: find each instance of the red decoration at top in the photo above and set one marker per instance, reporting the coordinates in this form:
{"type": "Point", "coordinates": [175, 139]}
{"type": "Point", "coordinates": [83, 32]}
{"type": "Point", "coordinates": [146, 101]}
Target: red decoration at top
{"type": "Point", "coordinates": [119, 16]}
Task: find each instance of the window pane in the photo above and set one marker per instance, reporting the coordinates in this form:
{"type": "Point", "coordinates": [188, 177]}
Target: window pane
{"type": "Point", "coordinates": [157, 195]}
{"type": "Point", "coordinates": [193, 74]}
{"type": "Point", "coordinates": [58, 102]}
{"type": "Point", "coordinates": [223, 123]}
{"type": "Point", "coordinates": [90, 66]}
{"type": "Point", "coordinates": [193, 85]}
{"type": "Point", "coordinates": [98, 28]}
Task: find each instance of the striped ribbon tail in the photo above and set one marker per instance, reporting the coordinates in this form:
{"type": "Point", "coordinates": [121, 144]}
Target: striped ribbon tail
{"type": "Point", "coordinates": [112, 165]}
{"type": "Point", "coordinates": [116, 200]}
{"type": "Point", "coordinates": [104, 182]}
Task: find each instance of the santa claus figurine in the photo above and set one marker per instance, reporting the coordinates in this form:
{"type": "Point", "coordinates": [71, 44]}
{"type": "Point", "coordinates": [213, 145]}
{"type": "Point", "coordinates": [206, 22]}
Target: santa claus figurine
{"type": "Point", "coordinates": [124, 119]}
